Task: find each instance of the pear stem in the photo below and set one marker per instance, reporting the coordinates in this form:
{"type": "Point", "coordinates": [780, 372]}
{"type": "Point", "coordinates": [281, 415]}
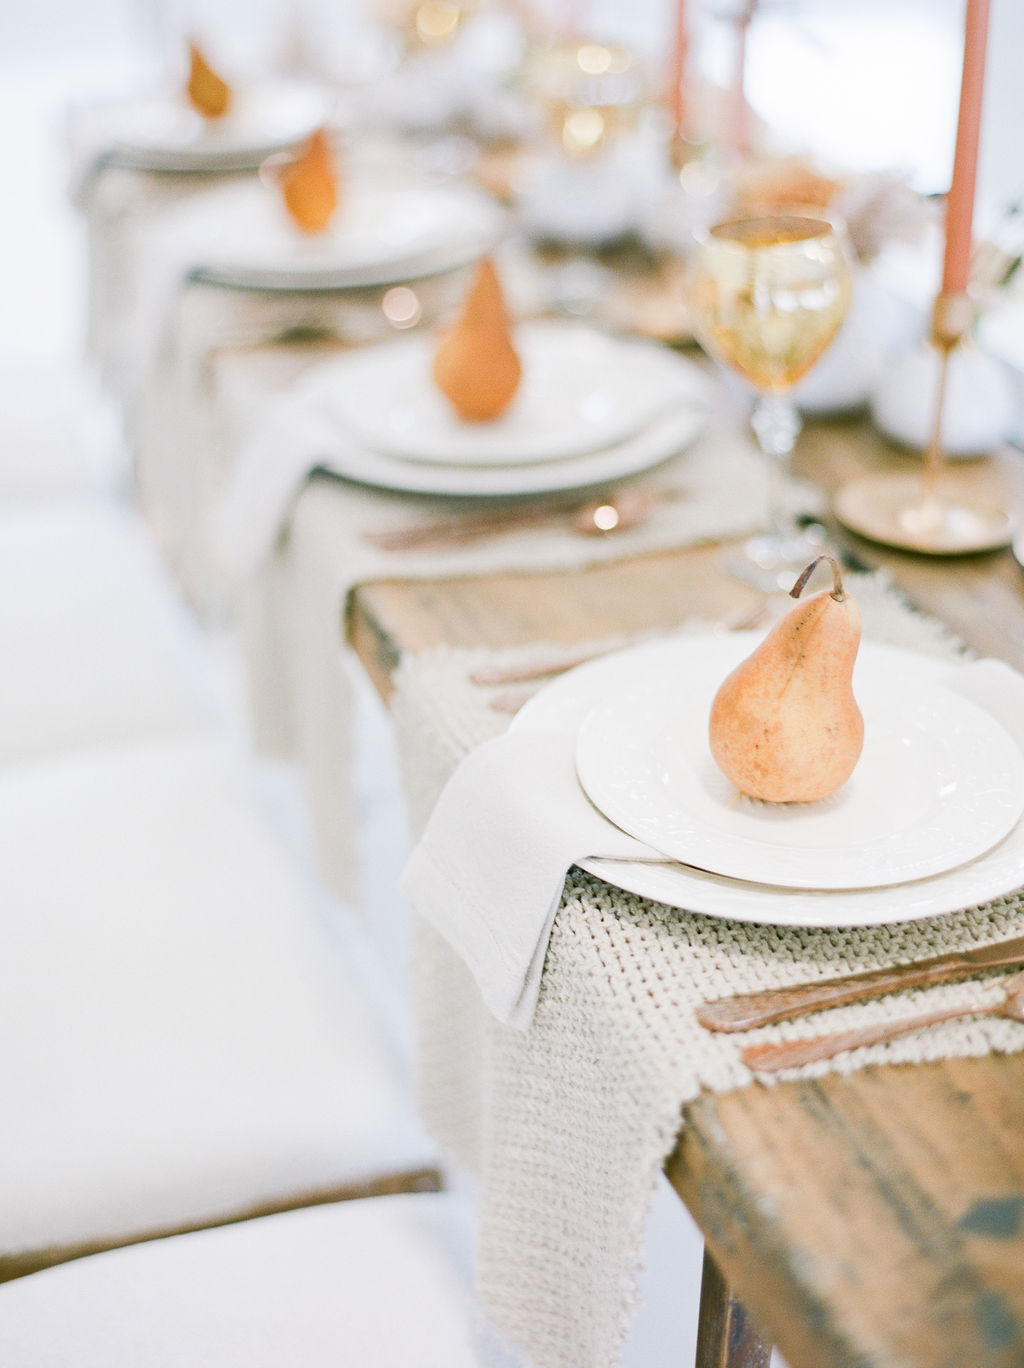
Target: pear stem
{"type": "Point", "coordinates": [838, 592]}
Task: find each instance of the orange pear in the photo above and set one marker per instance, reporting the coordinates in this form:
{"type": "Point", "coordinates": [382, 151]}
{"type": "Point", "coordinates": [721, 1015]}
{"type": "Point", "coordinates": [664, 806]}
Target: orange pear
{"type": "Point", "coordinates": [310, 186]}
{"type": "Point", "coordinates": [784, 725]}
{"type": "Point", "coordinates": [476, 366]}
{"type": "Point", "coordinates": [207, 93]}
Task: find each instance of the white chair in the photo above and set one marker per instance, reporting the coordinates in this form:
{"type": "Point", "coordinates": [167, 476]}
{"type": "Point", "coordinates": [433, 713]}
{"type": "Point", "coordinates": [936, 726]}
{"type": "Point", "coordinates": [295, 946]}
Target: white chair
{"type": "Point", "coordinates": [60, 439]}
{"type": "Point", "coordinates": [380, 1283]}
{"type": "Point", "coordinates": [96, 646]}
{"type": "Point", "coordinates": [181, 1045]}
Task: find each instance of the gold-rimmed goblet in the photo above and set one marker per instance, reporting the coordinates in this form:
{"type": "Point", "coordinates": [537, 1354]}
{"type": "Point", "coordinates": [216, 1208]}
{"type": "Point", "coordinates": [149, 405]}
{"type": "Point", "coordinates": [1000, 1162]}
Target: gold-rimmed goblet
{"type": "Point", "coordinates": [767, 295]}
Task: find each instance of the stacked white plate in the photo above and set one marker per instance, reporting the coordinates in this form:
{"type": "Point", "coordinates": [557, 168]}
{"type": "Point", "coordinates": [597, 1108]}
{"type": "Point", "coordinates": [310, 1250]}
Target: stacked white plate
{"type": "Point", "coordinates": [590, 408]}
{"type": "Point", "coordinates": [386, 230]}
{"type": "Point", "coordinates": [929, 823]}
{"type": "Point", "coordinates": [162, 133]}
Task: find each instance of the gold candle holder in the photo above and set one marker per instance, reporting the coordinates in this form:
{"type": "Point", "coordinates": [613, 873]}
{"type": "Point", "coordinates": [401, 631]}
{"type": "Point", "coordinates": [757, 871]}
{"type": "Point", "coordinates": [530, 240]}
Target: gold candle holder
{"type": "Point", "coordinates": [924, 513]}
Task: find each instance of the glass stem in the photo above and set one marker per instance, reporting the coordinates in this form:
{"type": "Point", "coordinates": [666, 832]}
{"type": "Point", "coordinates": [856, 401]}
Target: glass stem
{"type": "Point", "coordinates": [776, 425]}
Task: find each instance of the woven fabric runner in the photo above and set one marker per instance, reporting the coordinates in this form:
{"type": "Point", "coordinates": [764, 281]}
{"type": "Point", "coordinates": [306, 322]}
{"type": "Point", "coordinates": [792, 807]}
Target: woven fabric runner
{"type": "Point", "coordinates": [569, 1124]}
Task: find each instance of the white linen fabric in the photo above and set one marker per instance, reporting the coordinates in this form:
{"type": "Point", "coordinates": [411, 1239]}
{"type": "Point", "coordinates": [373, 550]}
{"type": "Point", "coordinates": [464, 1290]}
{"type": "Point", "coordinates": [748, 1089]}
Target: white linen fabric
{"type": "Point", "coordinates": [185, 445]}
{"type": "Point", "coordinates": [304, 431]}
{"type": "Point", "coordinates": [96, 645]}
{"type": "Point", "coordinates": [379, 1283]}
{"type": "Point", "coordinates": [239, 232]}
{"type": "Point", "coordinates": [569, 1122]}
{"type": "Point", "coordinates": [295, 605]}
{"type": "Point", "coordinates": [121, 202]}
{"type": "Point", "coordinates": [181, 1044]}
{"type": "Point", "coordinates": [489, 870]}
{"type": "Point", "coordinates": [152, 332]}
{"type": "Point", "coordinates": [119, 207]}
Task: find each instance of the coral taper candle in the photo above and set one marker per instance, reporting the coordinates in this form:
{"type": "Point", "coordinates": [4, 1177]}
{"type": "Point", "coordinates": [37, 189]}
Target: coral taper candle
{"type": "Point", "coordinates": [960, 204]}
{"type": "Point", "coordinates": [739, 113]}
{"type": "Point", "coordinates": [676, 71]}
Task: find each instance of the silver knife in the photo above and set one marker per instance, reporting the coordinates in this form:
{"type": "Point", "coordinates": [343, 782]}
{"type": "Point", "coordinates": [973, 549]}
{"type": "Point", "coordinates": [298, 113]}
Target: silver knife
{"type": "Point", "coordinates": [744, 1011]}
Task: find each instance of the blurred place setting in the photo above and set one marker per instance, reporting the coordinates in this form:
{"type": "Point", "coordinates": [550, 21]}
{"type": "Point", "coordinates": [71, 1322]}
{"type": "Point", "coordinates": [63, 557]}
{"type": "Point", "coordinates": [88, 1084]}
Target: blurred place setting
{"type": "Point", "coordinates": [511, 759]}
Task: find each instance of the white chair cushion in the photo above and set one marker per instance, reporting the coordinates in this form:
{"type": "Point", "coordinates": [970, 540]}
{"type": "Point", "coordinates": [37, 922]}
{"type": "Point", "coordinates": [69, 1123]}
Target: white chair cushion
{"type": "Point", "coordinates": [379, 1283]}
{"type": "Point", "coordinates": [94, 643]}
{"type": "Point", "coordinates": [59, 437]}
{"type": "Point", "coordinates": [180, 1041]}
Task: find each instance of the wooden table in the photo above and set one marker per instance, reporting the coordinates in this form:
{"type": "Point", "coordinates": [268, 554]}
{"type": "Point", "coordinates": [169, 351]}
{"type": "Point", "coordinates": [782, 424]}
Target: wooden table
{"type": "Point", "coordinates": [874, 1221]}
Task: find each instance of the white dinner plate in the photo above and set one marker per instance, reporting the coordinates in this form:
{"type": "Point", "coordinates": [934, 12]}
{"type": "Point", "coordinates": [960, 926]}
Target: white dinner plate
{"type": "Point", "coordinates": [384, 231]}
{"type": "Point", "coordinates": [581, 390]}
{"type": "Point", "coordinates": [665, 437]}
{"type": "Point", "coordinates": [938, 783]}
{"type": "Point", "coordinates": [560, 707]}
{"type": "Point", "coordinates": [163, 133]}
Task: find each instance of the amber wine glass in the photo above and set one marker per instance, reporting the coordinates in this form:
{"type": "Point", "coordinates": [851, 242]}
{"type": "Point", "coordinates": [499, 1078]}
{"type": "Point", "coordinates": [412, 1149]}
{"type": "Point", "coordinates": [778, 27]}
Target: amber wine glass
{"type": "Point", "coordinates": [767, 295]}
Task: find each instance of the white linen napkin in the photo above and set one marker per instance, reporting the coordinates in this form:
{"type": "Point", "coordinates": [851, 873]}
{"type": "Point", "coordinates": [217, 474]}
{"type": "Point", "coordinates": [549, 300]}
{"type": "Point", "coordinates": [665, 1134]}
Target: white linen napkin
{"type": "Point", "coordinates": [293, 436]}
{"type": "Point", "coordinates": [488, 870]}
{"type": "Point", "coordinates": [301, 432]}
{"type": "Point", "coordinates": [184, 237]}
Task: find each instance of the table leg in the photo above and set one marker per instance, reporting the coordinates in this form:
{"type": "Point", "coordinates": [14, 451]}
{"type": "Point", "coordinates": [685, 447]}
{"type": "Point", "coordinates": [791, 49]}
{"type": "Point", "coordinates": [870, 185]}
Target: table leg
{"type": "Point", "coordinates": [726, 1337]}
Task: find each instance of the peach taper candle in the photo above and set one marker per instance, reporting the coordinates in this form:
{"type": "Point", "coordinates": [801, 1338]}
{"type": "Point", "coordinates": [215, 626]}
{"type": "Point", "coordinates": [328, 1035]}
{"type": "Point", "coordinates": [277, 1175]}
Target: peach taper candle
{"type": "Point", "coordinates": [960, 203]}
{"type": "Point", "coordinates": [677, 72]}
{"type": "Point", "coordinates": [954, 311]}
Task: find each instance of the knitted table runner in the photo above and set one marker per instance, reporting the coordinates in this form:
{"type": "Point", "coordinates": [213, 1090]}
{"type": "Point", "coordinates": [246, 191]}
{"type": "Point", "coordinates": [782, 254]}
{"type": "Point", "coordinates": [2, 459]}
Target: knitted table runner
{"type": "Point", "coordinates": [569, 1123]}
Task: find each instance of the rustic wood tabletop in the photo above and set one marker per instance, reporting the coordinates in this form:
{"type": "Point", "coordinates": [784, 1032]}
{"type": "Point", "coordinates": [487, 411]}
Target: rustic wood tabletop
{"type": "Point", "coordinates": [869, 1221]}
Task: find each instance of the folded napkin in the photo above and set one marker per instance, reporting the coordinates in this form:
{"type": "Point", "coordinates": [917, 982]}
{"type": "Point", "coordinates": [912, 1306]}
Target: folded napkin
{"type": "Point", "coordinates": [489, 868]}
{"type": "Point", "coordinates": [301, 431]}
{"type": "Point", "coordinates": [183, 239]}
{"type": "Point", "coordinates": [293, 437]}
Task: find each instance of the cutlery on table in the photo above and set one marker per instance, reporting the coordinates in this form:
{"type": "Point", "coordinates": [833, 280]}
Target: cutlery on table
{"type": "Point", "coordinates": [791, 1054]}
{"type": "Point", "coordinates": [602, 516]}
{"type": "Point", "coordinates": [747, 1010]}
{"type": "Point", "coordinates": [491, 675]}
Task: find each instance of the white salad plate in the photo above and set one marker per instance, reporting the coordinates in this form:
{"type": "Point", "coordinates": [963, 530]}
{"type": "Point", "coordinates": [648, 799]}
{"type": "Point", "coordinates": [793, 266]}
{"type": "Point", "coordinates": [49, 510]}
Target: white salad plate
{"type": "Point", "coordinates": [384, 231]}
{"type": "Point", "coordinates": [938, 783]}
{"type": "Point", "coordinates": [662, 439]}
{"type": "Point", "coordinates": [163, 133]}
{"type": "Point", "coordinates": [581, 391]}
{"type": "Point", "coordinates": [561, 707]}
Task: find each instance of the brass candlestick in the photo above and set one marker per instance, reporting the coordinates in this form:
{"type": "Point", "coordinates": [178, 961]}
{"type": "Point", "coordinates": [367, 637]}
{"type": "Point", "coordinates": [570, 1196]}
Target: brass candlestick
{"type": "Point", "coordinates": [915, 513]}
